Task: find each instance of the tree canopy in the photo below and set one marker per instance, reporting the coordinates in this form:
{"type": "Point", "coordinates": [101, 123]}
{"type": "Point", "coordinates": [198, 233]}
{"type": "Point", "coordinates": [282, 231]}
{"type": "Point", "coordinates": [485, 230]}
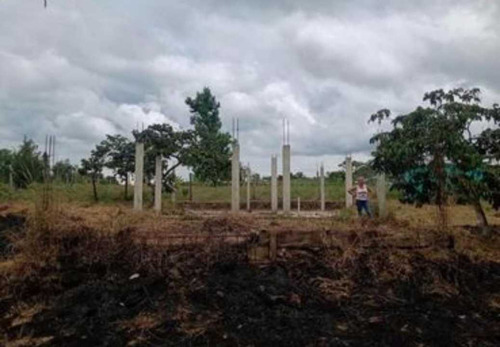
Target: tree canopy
{"type": "Point", "coordinates": [210, 152]}
{"type": "Point", "coordinates": [27, 164]}
{"type": "Point", "coordinates": [433, 152]}
{"type": "Point", "coordinates": [119, 157]}
{"type": "Point", "coordinates": [93, 166]}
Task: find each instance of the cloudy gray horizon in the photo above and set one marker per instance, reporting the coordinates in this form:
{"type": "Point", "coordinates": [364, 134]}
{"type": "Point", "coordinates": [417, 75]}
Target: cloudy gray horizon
{"type": "Point", "coordinates": [83, 69]}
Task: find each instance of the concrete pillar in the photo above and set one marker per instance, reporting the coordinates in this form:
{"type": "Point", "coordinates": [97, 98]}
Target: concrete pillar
{"type": "Point", "coordinates": [298, 204]}
{"type": "Point", "coordinates": [381, 196]}
{"type": "Point", "coordinates": [249, 181]}
{"type": "Point", "coordinates": [348, 181]}
{"type": "Point", "coordinates": [286, 178]}
{"type": "Point", "coordinates": [158, 179]}
{"type": "Point", "coordinates": [322, 187]}
{"type": "Point", "coordinates": [274, 183]}
{"type": "Point", "coordinates": [139, 175]}
{"type": "Point", "coordinates": [235, 178]}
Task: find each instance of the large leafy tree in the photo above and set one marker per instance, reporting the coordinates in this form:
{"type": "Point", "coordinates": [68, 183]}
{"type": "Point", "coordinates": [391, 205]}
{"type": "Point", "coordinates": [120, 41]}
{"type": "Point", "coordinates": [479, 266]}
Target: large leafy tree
{"type": "Point", "coordinates": [120, 157]}
{"type": "Point", "coordinates": [433, 152]}
{"type": "Point", "coordinates": [174, 146]}
{"type": "Point", "coordinates": [92, 167]}
{"type": "Point", "coordinates": [211, 152]}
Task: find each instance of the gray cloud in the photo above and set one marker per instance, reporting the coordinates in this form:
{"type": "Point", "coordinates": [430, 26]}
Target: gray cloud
{"type": "Point", "coordinates": [80, 70]}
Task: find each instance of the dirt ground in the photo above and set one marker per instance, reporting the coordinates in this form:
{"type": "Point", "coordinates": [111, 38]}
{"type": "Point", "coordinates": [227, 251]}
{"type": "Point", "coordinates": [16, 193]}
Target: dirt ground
{"type": "Point", "coordinates": [106, 277]}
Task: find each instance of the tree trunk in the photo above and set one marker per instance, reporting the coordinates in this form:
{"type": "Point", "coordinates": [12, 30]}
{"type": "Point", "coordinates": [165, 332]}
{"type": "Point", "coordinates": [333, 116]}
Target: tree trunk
{"type": "Point", "coordinates": [94, 187]}
{"type": "Point", "coordinates": [126, 187]}
{"type": "Point", "coordinates": [441, 196]}
{"type": "Point", "coordinates": [190, 187]}
{"type": "Point", "coordinates": [482, 221]}
{"type": "Point", "coordinates": [152, 193]}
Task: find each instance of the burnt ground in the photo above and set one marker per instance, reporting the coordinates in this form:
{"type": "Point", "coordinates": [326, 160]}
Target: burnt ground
{"type": "Point", "coordinates": [212, 295]}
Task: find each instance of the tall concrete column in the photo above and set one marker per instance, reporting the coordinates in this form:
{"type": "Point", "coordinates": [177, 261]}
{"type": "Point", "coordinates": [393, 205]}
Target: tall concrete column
{"type": "Point", "coordinates": [158, 178]}
{"type": "Point", "coordinates": [235, 178]}
{"type": "Point", "coordinates": [348, 181]}
{"type": "Point", "coordinates": [381, 196]}
{"type": "Point", "coordinates": [274, 183]}
{"type": "Point", "coordinates": [286, 178]}
{"type": "Point", "coordinates": [322, 187]}
{"type": "Point", "coordinates": [139, 175]}
{"type": "Point", "coordinates": [249, 181]}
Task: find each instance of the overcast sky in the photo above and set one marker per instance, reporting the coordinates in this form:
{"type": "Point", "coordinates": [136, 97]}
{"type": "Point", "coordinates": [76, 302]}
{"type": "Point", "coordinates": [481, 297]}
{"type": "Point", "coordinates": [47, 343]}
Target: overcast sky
{"type": "Point", "coordinates": [81, 69]}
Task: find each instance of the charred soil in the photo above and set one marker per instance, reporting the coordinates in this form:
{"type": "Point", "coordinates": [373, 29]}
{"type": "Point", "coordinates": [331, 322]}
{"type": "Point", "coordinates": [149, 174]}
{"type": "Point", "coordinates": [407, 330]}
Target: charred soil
{"type": "Point", "coordinates": [96, 288]}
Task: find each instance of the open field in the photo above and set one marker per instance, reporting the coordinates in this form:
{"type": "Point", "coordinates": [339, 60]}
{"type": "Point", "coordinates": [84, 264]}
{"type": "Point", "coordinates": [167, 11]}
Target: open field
{"type": "Point", "coordinates": [81, 193]}
{"type": "Point", "coordinates": [101, 275]}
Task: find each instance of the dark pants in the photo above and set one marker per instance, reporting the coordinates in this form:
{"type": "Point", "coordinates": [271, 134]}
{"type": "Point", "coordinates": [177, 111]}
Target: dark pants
{"type": "Point", "coordinates": [363, 205]}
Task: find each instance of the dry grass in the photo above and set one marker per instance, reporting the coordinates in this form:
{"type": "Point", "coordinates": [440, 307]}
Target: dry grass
{"type": "Point", "coordinates": [100, 241]}
{"type": "Point", "coordinates": [426, 216]}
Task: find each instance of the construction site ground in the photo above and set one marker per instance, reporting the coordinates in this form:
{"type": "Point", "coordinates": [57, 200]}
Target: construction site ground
{"type": "Point", "coordinates": [92, 276]}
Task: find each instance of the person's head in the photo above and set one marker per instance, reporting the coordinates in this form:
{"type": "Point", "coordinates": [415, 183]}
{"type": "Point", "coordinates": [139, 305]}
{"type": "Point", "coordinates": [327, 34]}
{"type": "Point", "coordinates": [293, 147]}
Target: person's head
{"type": "Point", "coordinates": [361, 181]}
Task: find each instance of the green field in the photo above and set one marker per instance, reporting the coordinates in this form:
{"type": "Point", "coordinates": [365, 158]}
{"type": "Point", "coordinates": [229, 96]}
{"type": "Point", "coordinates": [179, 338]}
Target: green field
{"type": "Point", "coordinates": [306, 189]}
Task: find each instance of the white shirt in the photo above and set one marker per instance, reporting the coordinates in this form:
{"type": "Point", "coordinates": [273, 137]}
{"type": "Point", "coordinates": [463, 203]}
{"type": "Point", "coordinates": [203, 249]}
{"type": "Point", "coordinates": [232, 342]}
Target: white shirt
{"type": "Point", "coordinates": [362, 192]}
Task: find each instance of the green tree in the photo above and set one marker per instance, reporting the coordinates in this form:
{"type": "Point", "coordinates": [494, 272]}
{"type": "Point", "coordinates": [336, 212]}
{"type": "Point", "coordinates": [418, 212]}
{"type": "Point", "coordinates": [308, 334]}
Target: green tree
{"type": "Point", "coordinates": [298, 175]}
{"type": "Point", "coordinates": [489, 146]}
{"type": "Point", "coordinates": [120, 158]}
{"type": "Point", "coordinates": [336, 175]}
{"type": "Point", "coordinates": [6, 159]}
{"type": "Point", "coordinates": [433, 154]}
{"type": "Point", "coordinates": [174, 146]}
{"type": "Point", "coordinates": [92, 167]}
{"type": "Point", "coordinates": [63, 170]}
{"type": "Point", "coordinates": [27, 164]}
{"type": "Point", "coordinates": [210, 153]}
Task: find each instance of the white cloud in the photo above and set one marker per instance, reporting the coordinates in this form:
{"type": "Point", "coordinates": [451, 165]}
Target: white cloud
{"type": "Point", "coordinates": [80, 70]}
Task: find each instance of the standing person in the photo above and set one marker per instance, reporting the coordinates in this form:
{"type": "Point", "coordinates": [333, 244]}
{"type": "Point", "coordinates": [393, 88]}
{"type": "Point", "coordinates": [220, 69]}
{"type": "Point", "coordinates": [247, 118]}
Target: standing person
{"type": "Point", "coordinates": [360, 192]}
